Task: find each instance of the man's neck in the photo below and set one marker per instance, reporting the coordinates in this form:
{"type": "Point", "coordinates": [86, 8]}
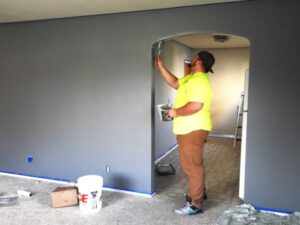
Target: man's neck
{"type": "Point", "coordinates": [198, 70]}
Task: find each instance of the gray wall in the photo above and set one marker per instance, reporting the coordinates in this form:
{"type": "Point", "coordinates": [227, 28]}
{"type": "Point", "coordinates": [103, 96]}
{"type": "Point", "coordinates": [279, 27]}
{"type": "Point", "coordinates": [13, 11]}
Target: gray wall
{"type": "Point", "coordinates": [76, 94]}
{"type": "Point", "coordinates": [173, 55]}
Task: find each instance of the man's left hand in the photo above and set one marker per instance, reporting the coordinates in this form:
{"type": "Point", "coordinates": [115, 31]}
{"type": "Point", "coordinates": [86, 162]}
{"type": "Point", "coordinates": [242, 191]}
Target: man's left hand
{"type": "Point", "coordinates": [172, 113]}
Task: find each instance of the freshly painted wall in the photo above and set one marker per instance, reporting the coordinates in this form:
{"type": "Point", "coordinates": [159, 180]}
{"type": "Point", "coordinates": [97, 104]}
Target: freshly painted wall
{"type": "Point", "coordinates": [77, 95]}
{"type": "Point", "coordinates": [173, 55]}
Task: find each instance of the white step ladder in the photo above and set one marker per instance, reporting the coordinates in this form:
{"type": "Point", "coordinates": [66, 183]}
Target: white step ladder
{"type": "Point", "coordinates": [238, 126]}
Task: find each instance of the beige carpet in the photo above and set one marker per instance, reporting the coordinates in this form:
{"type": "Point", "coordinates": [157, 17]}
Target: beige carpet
{"type": "Point", "coordinates": [222, 167]}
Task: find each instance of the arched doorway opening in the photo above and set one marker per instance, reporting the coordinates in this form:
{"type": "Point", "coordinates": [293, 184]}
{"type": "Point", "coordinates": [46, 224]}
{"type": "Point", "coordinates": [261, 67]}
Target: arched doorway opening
{"type": "Point", "coordinates": [225, 164]}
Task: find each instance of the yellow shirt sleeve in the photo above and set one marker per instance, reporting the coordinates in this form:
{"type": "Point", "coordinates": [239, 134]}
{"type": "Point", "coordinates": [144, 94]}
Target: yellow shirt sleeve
{"type": "Point", "coordinates": [182, 80]}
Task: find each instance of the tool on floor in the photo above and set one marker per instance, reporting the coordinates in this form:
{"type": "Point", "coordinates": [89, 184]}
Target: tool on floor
{"type": "Point", "coordinates": [8, 199]}
{"type": "Point", "coordinates": [165, 169]}
{"type": "Point", "coordinates": [24, 193]}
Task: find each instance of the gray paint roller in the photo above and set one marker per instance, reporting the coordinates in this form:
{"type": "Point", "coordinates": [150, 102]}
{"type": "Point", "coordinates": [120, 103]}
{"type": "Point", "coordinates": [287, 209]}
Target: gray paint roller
{"type": "Point", "coordinates": [159, 47]}
{"type": "Point", "coordinates": [156, 50]}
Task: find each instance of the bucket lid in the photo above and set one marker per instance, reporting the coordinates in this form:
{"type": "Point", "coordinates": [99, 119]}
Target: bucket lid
{"type": "Point", "coordinates": [90, 180]}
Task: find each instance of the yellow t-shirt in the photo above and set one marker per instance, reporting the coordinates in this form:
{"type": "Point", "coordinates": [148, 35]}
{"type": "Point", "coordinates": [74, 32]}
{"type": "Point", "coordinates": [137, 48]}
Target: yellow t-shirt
{"type": "Point", "coordinates": [193, 88]}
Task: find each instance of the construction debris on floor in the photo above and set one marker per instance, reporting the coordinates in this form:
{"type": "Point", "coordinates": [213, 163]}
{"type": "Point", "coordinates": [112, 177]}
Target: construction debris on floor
{"type": "Point", "coordinates": [7, 199]}
{"type": "Point", "coordinates": [247, 215]}
{"type": "Point", "coordinates": [64, 196]}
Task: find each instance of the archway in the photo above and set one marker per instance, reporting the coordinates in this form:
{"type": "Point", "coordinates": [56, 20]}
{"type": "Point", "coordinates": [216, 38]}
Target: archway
{"type": "Point", "coordinates": [228, 82]}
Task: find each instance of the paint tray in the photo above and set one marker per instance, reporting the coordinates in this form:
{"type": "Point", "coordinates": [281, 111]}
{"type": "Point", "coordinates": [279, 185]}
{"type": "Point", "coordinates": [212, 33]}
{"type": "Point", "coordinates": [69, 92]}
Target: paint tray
{"type": "Point", "coordinates": [165, 169]}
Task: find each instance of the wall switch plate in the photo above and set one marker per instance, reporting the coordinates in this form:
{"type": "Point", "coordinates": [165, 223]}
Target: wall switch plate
{"type": "Point", "coordinates": [107, 169]}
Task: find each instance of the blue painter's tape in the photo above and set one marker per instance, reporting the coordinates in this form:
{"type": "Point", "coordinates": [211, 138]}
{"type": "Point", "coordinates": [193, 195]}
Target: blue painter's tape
{"type": "Point", "coordinates": [42, 177]}
{"type": "Point", "coordinates": [273, 210]}
{"type": "Point", "coordinates": [65, 180]}
{"type": "Point", "coordinates": [129, 190]}
{"type": "Point", "coordinates": [29, 159]}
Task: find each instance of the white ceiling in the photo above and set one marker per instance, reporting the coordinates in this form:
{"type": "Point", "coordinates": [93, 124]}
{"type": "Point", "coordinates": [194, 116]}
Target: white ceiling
{"type": "Point", "coordinates": [206, 41]}
{"type": "Point", "coordinates": [27, 10]}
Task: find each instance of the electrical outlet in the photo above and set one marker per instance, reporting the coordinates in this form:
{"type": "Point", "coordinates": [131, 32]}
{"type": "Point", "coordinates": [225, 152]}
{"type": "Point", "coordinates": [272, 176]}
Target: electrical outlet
{"type": "Point", "coordinates": [29, 159]}
{"type": "Point", "coordinates": [107, 169]}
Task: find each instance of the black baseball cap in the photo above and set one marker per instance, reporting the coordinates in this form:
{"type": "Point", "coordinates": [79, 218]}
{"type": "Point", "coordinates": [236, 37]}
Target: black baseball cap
{"type": "Point", "coordinates": [207, 59]}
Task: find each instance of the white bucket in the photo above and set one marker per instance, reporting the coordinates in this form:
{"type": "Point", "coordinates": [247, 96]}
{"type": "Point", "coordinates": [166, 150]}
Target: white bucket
{"type": "Point", "coordinates": [163, 110]}
{"type": "Point", "coordinates": [90, 191]}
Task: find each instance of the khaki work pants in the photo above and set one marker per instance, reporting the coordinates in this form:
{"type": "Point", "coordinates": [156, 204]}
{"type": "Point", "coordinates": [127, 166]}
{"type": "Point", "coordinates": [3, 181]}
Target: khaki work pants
{"type": "Point", "coordinates": [191, 147]}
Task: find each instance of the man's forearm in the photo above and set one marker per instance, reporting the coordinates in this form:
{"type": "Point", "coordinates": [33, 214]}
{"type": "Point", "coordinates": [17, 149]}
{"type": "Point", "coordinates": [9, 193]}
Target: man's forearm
{"type": "Point", "coordinates": [186, 110]}
{"type": "Point", "coordinates": [169, 77]}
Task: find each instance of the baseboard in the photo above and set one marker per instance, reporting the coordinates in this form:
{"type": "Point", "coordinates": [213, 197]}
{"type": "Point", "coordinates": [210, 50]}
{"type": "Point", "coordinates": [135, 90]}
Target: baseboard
{"type": "Point", "coordinates": [166, 153]}
{"type": "Point", "coordinates": [66, 182]}
{"type": "Point", "coordinates": [275, 211]}
{"type": "Point", "coordinates": [45, 179]}
{"type": "Point", "coordinates": [129, 192]}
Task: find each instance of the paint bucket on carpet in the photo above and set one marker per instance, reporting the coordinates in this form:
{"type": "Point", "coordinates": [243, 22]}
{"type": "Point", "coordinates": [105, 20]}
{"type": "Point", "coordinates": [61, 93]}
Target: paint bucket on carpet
{"type": "Point", "coordinates": [90, 193]}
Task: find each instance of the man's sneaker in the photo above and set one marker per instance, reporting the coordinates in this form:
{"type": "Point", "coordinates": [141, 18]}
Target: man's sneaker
{"type": "Point", "coordinates": [188, 209]}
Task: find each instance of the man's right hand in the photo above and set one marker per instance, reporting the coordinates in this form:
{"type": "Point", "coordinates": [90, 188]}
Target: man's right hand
{"type": "Point", "coordinates": [171, 79]}
{"type": "Point", "coordinates": [158, 63]}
